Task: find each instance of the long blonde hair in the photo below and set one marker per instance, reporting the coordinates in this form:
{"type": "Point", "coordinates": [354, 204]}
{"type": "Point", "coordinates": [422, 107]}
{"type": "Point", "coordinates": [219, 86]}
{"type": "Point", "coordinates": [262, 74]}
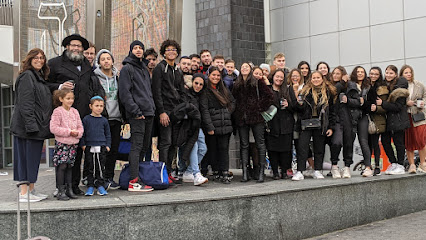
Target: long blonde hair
{"type": "Point", "coordinates": [325, 86]}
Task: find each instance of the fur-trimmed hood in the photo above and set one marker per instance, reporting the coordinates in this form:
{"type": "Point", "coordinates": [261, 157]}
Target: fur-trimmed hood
{"type": "Point", "coordinates": [397, 93]}
{"type": "Point", "coordinates": [382, 90]}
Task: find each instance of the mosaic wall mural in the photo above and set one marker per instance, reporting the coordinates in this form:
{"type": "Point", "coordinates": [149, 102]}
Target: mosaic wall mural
{"type": "Point", "coordinates": [145, 20]}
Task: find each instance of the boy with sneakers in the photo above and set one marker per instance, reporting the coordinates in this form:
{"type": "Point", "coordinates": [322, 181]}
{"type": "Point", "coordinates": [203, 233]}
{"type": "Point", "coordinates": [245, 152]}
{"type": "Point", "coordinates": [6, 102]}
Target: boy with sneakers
{"type": "Point", "coordinates": [96, 142]}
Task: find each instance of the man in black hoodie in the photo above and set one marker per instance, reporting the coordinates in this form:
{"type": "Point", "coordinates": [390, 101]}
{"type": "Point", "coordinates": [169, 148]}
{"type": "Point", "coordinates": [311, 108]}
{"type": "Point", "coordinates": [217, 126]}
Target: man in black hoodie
{"type": "Point", "coordinates": [136, 96]}
{"type": "Point", "coordinates": [167, 85]}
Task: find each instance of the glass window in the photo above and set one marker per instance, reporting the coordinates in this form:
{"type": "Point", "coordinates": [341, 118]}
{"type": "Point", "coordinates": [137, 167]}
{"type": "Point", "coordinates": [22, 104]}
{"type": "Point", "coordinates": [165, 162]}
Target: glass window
{"type": "Point", "coordinates": [7, 114]}
{"type": "Point", "coordinates": [7, 138]}
{"type": "Point", "coordinates": [8, 158]}
{"type": "Point", "coordinates": [6, 96]}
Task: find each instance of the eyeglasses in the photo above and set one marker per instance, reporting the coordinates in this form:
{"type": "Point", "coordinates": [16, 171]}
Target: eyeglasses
{"type": "Point", "coordinates": [39, 58]}
{"type": "Point", "coordinates": [76, 45]}
{"type": "Point", "coordinates": [171, 50]}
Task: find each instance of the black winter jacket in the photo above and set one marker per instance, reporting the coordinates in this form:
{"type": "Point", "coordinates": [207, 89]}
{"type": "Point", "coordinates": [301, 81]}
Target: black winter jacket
{"type": "Point", "coordinates": [215, 117]}
{"type": "Point", "coordinates": [62, 70]}
{"type": "Point", "coordinates": [33, 107]}
{"type": "Point", "coordinates": [396, 109]}
{"type": "Point", "coordinates": [135, 88]}
{"type": "Point", "coordinates": [349, 112]}
{"type": "Point", "coordinates": [283, 121]}
{"type": "Point", "coordinates": [167, 86]}
{"type": "Point", "coordinates": [328, 118]}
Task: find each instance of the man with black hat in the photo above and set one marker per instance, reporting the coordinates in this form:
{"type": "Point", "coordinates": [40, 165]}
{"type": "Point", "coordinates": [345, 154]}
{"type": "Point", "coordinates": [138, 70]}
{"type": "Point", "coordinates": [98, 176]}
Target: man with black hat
{"type": "Point", "coordinates": [136, 96]}
{"type": "Point", "coordinates": [72, 70]}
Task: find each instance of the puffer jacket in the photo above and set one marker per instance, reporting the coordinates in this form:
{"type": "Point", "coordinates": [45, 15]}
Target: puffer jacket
{"type": "Point", "coordinates": [33, 107]}
{"type": "Point", "coordinates": [349, 112]}
{"type": "Point", "coordinates": [215, 117]}
{"type": "Point", "coordinates": [396, 108]}
{"type": "Point", "coordinates": [419, 92]}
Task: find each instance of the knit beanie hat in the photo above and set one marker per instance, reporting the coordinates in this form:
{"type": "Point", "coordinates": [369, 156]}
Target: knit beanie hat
{"type": "Point", "coordinates": [136, 42]}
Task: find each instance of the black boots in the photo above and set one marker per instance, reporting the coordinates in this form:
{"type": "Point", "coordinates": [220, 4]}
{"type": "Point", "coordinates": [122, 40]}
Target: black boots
{"type": "Point", "coordinates": [245, 172]}
{"type": "Point", "coordinates": [61, 193]}
{"type": "Point", "coordinates": [261, 172]}
{"type": "Point", "coordinates": [69, 192]}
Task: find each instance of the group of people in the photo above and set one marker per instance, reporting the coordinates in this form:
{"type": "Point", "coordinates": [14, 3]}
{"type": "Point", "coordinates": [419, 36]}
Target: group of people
{"type": "Point", "coordinates": [194, 105]}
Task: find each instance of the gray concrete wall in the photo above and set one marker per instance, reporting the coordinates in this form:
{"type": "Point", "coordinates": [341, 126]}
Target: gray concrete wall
{"type": "Point", "coordinates": [276, 210]}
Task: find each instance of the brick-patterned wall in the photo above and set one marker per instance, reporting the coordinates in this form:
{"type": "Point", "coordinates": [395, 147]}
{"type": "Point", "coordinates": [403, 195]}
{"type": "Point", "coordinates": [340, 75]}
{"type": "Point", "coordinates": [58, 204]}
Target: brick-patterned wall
{"type": "Point", "coordinates": [248, 31]}
{"type": "Point", "coordinates": [234, 29]}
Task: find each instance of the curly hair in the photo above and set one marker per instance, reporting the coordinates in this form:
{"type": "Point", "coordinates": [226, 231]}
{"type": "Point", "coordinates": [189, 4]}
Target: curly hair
{"type": "Point", "coordinates": [354, 78]}
{"type": "Point", "coordinates": [26, 63]}
{"type": "Point", "coordinates": [167, 43]}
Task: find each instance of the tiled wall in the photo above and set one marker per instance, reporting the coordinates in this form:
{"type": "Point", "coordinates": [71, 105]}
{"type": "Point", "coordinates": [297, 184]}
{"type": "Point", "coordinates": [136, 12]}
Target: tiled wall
{"type": "Point", "coordinates": [351, 32]}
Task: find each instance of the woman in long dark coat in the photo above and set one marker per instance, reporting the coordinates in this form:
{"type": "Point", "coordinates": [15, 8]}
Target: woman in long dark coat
{"type": "Point", "coordinates": [30, 121]}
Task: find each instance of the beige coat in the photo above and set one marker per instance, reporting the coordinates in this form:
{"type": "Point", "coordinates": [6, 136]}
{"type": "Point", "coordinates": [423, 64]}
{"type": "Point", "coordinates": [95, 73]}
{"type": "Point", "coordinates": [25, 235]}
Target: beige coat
{"type": "Point", "coordinates": [419, 91]}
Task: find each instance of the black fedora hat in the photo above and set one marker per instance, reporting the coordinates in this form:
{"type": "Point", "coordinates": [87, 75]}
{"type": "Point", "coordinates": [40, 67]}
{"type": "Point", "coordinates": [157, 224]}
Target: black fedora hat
{"type": "Point", "coordinates": [75, 36]}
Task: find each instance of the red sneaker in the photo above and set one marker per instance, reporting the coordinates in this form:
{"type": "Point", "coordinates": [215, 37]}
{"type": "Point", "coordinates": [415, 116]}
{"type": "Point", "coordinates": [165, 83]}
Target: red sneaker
{"type": "Point", "coordinates": [137, 186]}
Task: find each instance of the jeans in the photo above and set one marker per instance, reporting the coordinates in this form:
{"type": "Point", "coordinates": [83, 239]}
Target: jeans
{"type": "Point", "coordinates": [375, 148]}
{"type": "Point", "coordinates": [166, 151]}
{"type": "Point", "coordinates": [363, 140]}
{"type": "Point", "coordinates": [140, 130]}
{"type": "Point", "coordinates": [217, 152]}
{"type": "Point", "coordinates": [399, 141]}
{"type": "Point", "coordinates": [259, 137]}
{"type": "Point", "coordinates": [319, 148]}
{"type": "Point", "coordinates": [197, 154]}
{"type": "Point", "coordinates": [115, 128]}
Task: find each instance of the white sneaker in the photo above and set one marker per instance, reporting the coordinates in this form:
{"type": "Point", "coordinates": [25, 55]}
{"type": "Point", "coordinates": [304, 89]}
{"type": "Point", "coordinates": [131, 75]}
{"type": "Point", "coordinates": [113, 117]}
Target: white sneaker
{"type": "Point", "coordinates": [40, 195]}
{"type": "Point", "coordinates": [198, 179]}
{"type": "Point", "coordinates": [346, 172]}
{"type": "Point", "coordinates": [367, 172]}
{"type": "Point", "coordinates": [399, 169]}
{"type": "Point", "coordinates": [335, 172]}
{"type": "Point", "coordinates": [55, 193]}
{"type": "Point", "coordinates": [188, 177]}
{"type": "Point", "coordinates": [33, 198]}
{"type": "Point", "coordinates": [298, 176]}
{"type": "Point", "coordinates": [317, 175]}
{"type": "Point", "coordinates": [390, 168]}
{"type": "Point", "coordinates": [308, 173]}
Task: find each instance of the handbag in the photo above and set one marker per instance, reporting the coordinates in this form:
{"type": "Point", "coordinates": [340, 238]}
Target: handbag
{"type": "Point", "coordinates": [420, 116]}
{"type": "Point", "coordinates": [311, 124]}
{"type": "Point", "coordinates": [151, 173]}
{"type": "Point", "coordinates": [372, 128]}
{"type": "Point", "coordinates": [269, 114]}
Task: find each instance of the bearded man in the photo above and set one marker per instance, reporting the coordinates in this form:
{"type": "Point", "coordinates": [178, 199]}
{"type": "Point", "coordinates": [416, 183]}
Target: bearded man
{"type": "Point", "coordinates": [72, 70]}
